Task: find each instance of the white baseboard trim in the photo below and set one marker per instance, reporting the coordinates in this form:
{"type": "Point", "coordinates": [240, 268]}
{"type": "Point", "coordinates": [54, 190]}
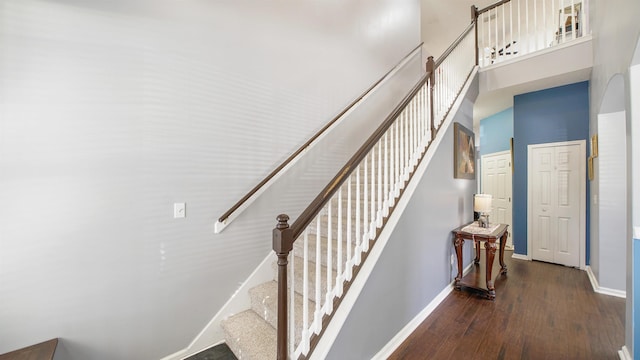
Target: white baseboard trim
{"type": "Point", "coordinates": [602, 290]}
{"type": "Point", "coordinates": [408, 329]}
{"type": "Point", "coordinates": [213, 334]}
{"type": "Point", "coordinates": [624, 353]}
{"type": "Point", "coordinates": [176, 355]}
{"type": "Point", "coordinates": [401, 336]}
{"type": "Point", "coordinates": [520, 257]}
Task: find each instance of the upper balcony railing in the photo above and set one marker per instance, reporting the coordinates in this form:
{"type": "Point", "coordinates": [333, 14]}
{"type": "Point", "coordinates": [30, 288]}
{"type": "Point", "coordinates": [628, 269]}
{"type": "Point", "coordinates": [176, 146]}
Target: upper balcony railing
{"type": "Point", "coordinates": [512, 28]}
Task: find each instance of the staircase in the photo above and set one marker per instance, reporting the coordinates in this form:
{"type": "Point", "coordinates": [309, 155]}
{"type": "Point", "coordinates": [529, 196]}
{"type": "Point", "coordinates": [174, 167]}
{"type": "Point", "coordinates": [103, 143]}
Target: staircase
{"type": "Point", "coordinates": [251, 334]}
{"type": "Point", "coordinates": [334, 234]}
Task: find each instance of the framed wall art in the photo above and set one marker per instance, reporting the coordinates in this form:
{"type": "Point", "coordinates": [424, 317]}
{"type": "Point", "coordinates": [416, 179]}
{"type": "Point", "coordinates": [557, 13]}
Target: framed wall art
{"type": "Point", "coordinates": [464, 150]}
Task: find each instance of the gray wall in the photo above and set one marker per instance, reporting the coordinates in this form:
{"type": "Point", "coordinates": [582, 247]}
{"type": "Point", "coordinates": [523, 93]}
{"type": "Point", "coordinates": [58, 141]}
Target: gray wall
{"type": "Point", "coordinates": [615, 26]}
{"type": "Point", "coordinates": [111, 111]}
{"type": "Point", "coordinates": [415, 265]}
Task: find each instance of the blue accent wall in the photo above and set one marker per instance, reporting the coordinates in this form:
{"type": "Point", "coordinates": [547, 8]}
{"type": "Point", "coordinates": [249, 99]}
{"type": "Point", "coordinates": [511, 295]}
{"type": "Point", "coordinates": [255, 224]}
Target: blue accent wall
{"type": "Point", "coordinates": [551, 115]}
{"type": "Point", "coordinates": [496, 132]}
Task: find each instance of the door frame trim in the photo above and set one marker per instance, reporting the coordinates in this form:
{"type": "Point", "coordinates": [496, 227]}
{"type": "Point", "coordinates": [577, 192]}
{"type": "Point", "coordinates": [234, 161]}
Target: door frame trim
{"type": "Point", "coordinates": [583, 197]}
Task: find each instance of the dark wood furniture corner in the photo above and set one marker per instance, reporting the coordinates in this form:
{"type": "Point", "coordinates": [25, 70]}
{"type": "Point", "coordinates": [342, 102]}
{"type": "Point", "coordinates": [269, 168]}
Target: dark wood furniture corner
{"type": "Point", "coordinates": [466, 232]}
{"type": "Point", "coordinates": [41, 351]}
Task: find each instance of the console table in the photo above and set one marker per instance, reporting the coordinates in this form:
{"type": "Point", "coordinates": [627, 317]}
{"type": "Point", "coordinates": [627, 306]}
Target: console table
{"type": "Point", "coordinates": [489, 236]}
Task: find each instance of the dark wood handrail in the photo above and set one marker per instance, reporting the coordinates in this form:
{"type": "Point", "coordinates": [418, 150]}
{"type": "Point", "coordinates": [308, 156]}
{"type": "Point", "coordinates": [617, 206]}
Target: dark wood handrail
{"type": "Point", "coordinates": [447, 52]}
{"type": "Point", "coordinates": [492, 6]}
{"type": "Point", "coordinates": [318, 203]}
{"type": "Point", "coordinates": [311, 140]}
{"type": "Point", "coordinates": [42, 351]}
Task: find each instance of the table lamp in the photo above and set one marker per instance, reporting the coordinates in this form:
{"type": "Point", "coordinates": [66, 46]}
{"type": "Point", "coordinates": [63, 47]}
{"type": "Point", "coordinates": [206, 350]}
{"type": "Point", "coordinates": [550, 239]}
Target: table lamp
{"type": "Point", "coordinates": [482, 205]}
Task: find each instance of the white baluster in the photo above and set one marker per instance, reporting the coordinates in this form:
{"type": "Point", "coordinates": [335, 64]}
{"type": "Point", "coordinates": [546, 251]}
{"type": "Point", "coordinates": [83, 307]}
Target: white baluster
{"type": "Point", "coordinates": [317, 319]}
{"type": "Point", "coordinates": [329, 295]}
{"type": "Point", "coordinates": [372, 226]}
{"type": "Point", "coordinates": [392, 165]}
{"type": "Point", "coordinates": [349, 264]}
{"type": "Point", "coordinates": [414, 132]}
{"type": "Point", "coordinates": [365, 205]}
{"type": "Point", "coordinates": [291, 309]}
{"type": "Point", "coordinates": [396, 151]}
{"type": "Point", "coordinates": [339, 273]}
{"type": "Point", "coordinates": [379, 195]}
{"type": "Point", "coordinates": [358, 220]}
{"type": "Point", "coordinates": [401, 150]}
{"type": "Point", "coordinates": [386, 174]}
{"type": "Point", "coordinates": [305, 293]}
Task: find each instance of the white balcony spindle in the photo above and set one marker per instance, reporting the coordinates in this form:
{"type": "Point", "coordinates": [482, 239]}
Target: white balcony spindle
{"type": "Point", "coordinates": [544, 25]}
{"type": "Point", "coordinates": [520, 42]}
{"type": "Point", "coordinates": [526, 27]}
{"type": "Point", "coordinates": [504, 31]}
{"type": "Point", "coordinates": [511, 38]}
{"type": "Point", "coordinates": [573, 20]}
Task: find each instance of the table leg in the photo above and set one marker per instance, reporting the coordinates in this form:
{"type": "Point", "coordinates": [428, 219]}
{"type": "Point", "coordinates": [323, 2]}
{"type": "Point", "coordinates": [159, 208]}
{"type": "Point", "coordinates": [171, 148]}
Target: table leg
{"type": "Point", "coordinates": [503, 244]}
{"type": "Point", "coordinates": [476, 243]}
{"type": "Point", "coordinates": [490, 246]}
{"type": "Point", "coordinates": [458, 244]}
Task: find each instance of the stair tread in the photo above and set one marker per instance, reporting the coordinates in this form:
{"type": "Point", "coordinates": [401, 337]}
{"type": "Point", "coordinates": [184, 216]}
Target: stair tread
{"type": "Point", "coordinates": [250, 337]}
{"type": "Point", "coordinates": [264, 301]}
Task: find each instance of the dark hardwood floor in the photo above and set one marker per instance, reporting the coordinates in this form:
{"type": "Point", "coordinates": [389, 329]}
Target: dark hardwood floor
{"type": "Point", "coordinates": [541, 311]}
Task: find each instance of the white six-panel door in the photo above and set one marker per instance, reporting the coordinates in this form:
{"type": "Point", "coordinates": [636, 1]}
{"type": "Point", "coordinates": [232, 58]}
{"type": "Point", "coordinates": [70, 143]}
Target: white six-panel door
{"type": "Point", "coordinates": [496, 180]}
{"type": "Point", "coordinates": [556, 205]}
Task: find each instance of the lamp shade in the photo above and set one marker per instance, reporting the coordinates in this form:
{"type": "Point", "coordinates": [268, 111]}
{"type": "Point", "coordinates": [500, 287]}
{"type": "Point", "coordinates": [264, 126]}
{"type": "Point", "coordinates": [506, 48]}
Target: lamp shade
{"type": "Point", "coordinates": [482, 203]}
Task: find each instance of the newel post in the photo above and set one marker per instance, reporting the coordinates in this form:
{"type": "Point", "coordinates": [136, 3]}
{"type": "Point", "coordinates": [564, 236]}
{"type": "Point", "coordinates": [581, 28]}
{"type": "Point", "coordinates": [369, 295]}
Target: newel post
{"type": "Point", "coordinates": [474, 20]}
{"type": "Point", "coordinates": [282, 245]}
{"type": "Point", "coordinates": [432, 79]}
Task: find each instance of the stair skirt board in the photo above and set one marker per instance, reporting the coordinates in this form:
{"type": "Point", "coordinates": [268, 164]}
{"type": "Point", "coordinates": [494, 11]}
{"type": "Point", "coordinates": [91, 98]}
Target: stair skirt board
{"type": "Point", "coordinates": [240, 303]}
{"type": "Point", "coordinates": [408, 329]}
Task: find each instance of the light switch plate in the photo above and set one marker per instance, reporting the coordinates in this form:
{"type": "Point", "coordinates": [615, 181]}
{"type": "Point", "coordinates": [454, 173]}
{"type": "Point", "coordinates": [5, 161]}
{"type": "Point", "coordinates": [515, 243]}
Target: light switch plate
{"type": "Point", "coordinates": [179, 210]}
